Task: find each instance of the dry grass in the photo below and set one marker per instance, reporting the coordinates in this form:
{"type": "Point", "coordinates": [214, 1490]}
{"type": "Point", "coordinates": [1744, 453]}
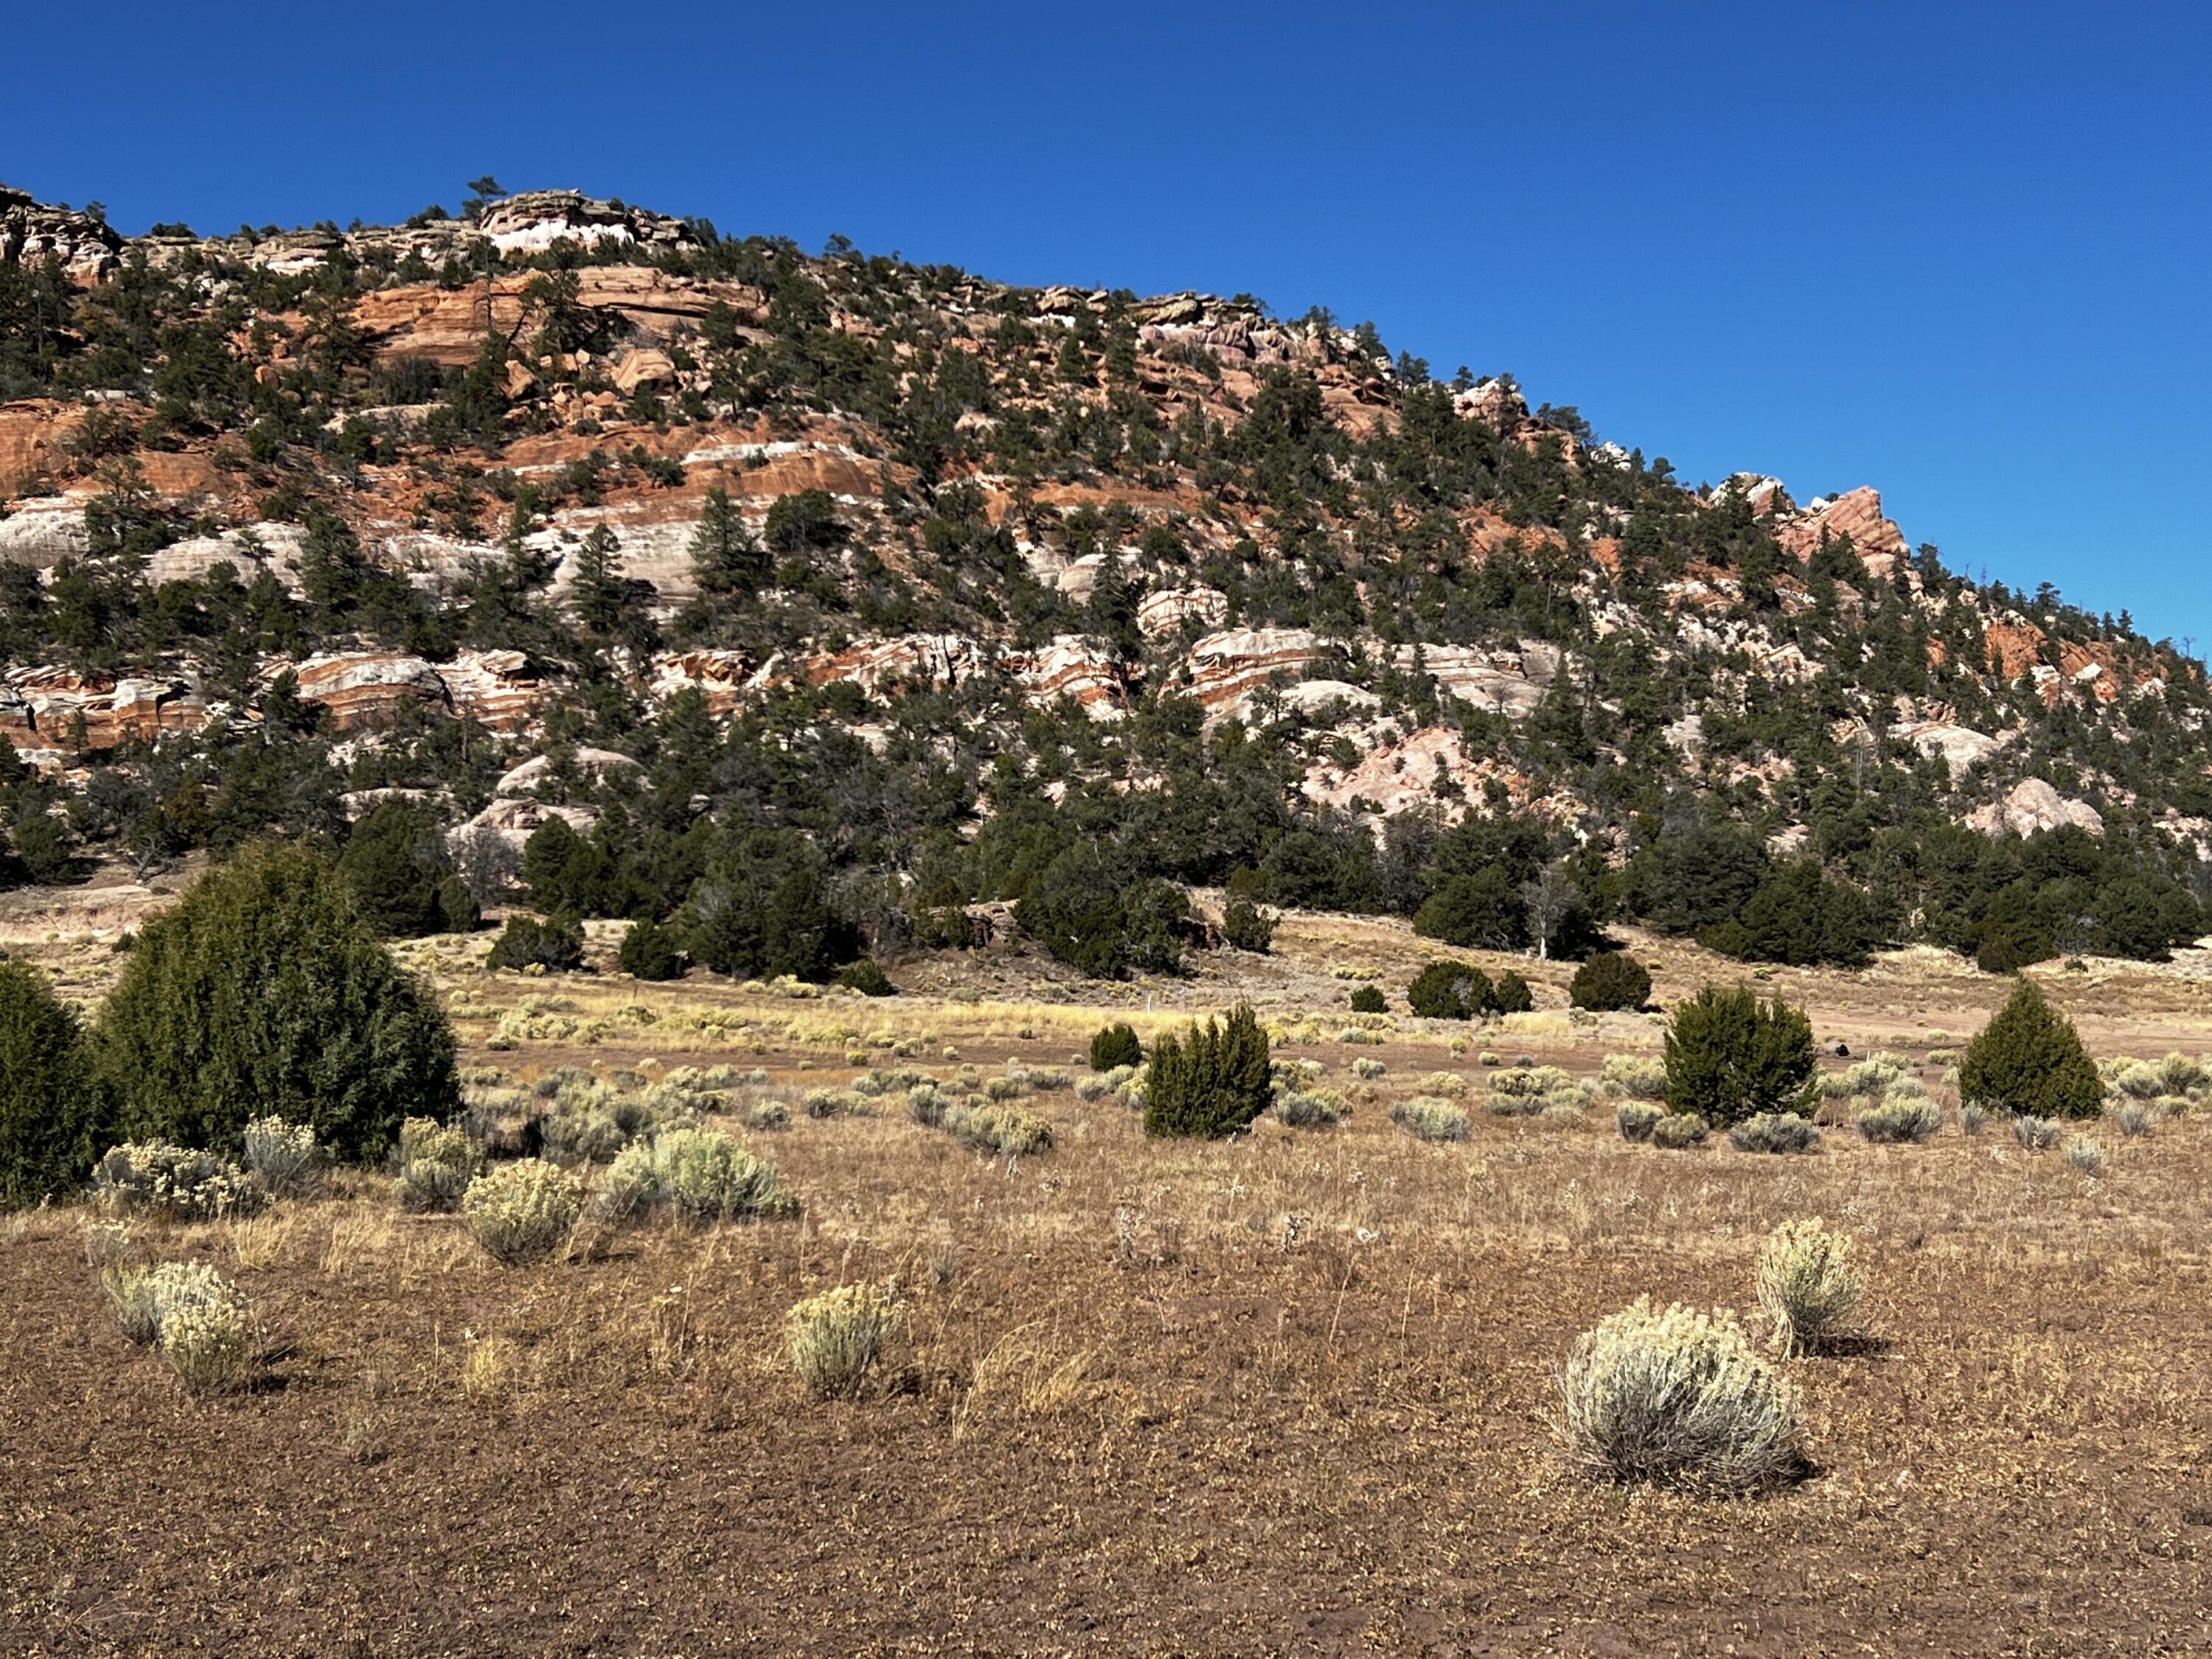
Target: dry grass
{"type": "Point", "coordinates": [1284, 1392]}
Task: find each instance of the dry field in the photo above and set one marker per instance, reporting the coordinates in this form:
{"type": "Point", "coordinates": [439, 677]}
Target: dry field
{"type": "Point", "coordinates": [1289, 1394]}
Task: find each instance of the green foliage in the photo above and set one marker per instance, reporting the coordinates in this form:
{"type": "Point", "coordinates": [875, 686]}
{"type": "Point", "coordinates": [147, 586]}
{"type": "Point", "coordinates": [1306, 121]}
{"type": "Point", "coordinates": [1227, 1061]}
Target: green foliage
{"type": "Point", "coordinates": [2029, 1059]}
{"type": "Point", "coordinates": [1731, 1056]}
{"type": "Point", "coordinates": [763, 910]}
{"type": "Point", "coordinates": [1115, 1045]}
{"type": "Point", "coordinates": [1247, 927]}
{"type": "Point", "coordinates": [396, 866]}
{"type": "Point", "coordinates": [1450, 990]}
{"type": "Point", "coordinates": [1479, 911]}
{"type": "Point", "coordinates": [1511, 995]}
{"type": "Point", "coordinates": [1093, 916]}
{"type": "Point", "coordinates": [1370, 999]}
{"type": "Point", "coordinates": [1609, 981]}
{"type": "Point", "coordinates": [54, 1118]}
{"type": "Point", "coordinates": [263, 994]}
{"type": "Point", "coordinates": [1211, 1082]}
{"type": "Point", "coordinates": [651, 952]}
{"type": "Point", "coordinates": [868, 978]}
{"type": "Point", "coordinates": [2008, 946]}
{"type": "Point", "coordinates": [554, 944]}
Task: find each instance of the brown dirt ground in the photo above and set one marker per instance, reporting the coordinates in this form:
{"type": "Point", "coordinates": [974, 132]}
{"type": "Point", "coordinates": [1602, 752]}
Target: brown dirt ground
{"type": "Point", "coordinates": [1192, 1440]}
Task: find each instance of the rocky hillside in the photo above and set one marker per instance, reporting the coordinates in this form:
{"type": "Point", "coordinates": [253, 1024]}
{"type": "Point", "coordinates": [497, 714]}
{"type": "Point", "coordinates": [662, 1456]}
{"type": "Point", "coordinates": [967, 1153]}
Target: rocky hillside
{"type": "Point", "coordinates": [556, 508]}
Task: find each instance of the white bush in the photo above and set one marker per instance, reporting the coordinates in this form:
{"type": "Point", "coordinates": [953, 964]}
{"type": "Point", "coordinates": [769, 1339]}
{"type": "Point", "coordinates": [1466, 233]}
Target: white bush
{"type": "Point", "coordinates": [1677, 1398]}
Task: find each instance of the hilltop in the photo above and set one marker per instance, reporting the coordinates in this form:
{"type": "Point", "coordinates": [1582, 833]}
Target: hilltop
{"type": "Point", "coordinates": [740, 577]}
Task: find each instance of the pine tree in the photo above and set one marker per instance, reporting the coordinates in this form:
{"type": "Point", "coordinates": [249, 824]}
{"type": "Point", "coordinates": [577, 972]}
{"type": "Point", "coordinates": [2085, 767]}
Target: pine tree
{"type": "Point", "coordinates": [595, 592]}
{"type": "Point", "coordinates": [54, 1120]}
{"type": "Point", "coordinates": [2029, 1059]}
{"type": "Point", "coordinates": [724, 557]}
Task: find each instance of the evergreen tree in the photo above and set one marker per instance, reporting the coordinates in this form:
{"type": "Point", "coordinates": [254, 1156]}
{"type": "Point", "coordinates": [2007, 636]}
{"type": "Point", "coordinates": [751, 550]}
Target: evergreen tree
{"type": "Point", "coordinates": [1731, 1056]}
{"type": "Point", "coordinates": [1211, 1082]}
{"type": "Point", "coordinates": [1115, 1045]}
{"type": "Point", "coordinates": [2029, 1059]}
{"type": "Point", "coordinates": [264, 995]}
{"type": "Point", "coordinates": [1450, 990]}
{"type": "Point", "coordinates": [54, 1116]}
{"type": "Point", "coordinates": [1610, 979]}
{"type": "Point", "coordinates": [725, 556]}
{"type": "Point", "coordinates": [651, 952]}
{"type": "Point", "coordinates": [596, 591]}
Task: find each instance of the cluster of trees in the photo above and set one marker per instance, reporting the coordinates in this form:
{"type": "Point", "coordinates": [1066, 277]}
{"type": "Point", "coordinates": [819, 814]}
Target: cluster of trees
{"type": "Point", "coordinates": [1365, 539]}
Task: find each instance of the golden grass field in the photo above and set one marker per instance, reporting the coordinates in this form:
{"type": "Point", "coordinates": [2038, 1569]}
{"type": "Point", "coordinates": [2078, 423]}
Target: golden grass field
{"type": "Point", "coordinates": [1288, 1393]}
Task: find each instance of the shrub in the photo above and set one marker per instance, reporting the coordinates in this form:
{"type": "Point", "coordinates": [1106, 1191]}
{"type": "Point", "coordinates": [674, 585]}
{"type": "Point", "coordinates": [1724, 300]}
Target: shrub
{"type": "Point", "coordinates": [1100, 918]}
{"type": "Point", "coordinates": [838, 1337]}
{"type": "Point", "coordinates": [1510, 996]}
{"type": "Point", "coordinates": [1115, 1045]}
{"type": "Point", "coordinates": [1247, 927]}
{"type": "Point", "coordinates": [1731, 1056]}
{"type": "Point", "coordinates": [701, 1175]}
{"type": "Point", "coordinates": [1972, 1116]}
{"type": "Point", "coordinates": [1449, 990]}
{"type": "Point", "coordinates": [1634, 1076]}
{"type": "Point", "coordinates": [651, 951]}
{"type": "Point", "coordinates": [1610, 979]}
{"type": "Point", "coordinates": [1212, 1082]}
{"type": "Point", "coordinates": [2084, 1155]}
{"type": "Point", "coordinates": [1774, 1132]}
{"type": "Point", "coordinates": [435, 1165]}
{"type": "Point", "coordinates": [768, 1115]}
{"type": "Point", "coordinates": [54, 1117]}
{"type": "Point", "coordinates": [1901, 1118]}
{"type": "Point", "coordinates": [523, 1211]}
{"type": "Point", "coordinates": [1370, 999]}
{"type": "Point", "coordinates": [156, 1177]}
{"type": "Point", "coordinates": [144, 1298]}
{"type": "Point", "coordinates": [998, 1129]}
{"type": "Point", "coordinates": [1427, 1118]}
{"type": "Point", "coordinates": [282, 1154]}
{"type": "Point", "coordinates": [2029, 1059]}
{"type": "Point", "coordinates": [867, 977]}
{"type": "Point", "coordinates": [1808, 1286]}
{"type": "Point", "coordinates": [2132, 1118]}
{"type": "Point", "coordinates": [1636, 1119]}
{"type": "Point", "coordinates": [1318, 1108]}
{"type": "Point", "coordinates": [2038, 1134]}
{"type": "Point", "coordinates": [263, 995]}
{"type": "Point", "coordinates": [1679, 1399]}
{"type": "Point", "coordinates": [1677, 1131]}
{"type": "Point", "coordinates": [210, 1346]}
{"type": "Point", "coordinates": [397, 869]}
{"type": "Point", "coordinates": [554, 944]}
{"type": "Point", "coordinates": [1367, 1070]}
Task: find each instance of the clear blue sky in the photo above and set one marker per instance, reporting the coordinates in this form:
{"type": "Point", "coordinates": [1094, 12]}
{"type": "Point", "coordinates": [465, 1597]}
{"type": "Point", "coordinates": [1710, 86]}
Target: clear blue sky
{"type": "Point", "coordinates": [1957, 251]}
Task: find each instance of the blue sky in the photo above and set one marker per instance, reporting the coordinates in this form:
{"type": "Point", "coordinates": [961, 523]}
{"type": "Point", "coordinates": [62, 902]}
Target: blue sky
{"type": "Point", "coordinates": [1957, 251]}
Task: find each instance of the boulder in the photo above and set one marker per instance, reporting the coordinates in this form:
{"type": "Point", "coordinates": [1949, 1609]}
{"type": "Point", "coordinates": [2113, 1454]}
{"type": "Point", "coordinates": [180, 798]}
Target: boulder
{"type": "Point", "coordinates": [2034, 805]}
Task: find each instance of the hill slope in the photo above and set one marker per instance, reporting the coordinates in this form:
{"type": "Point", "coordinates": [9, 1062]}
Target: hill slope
{"type": "Point", "coordinates": [897, 589]}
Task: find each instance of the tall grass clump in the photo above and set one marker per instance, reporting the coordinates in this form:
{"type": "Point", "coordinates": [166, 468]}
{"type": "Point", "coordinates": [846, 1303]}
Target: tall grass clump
{"type": "Point", "coordinates": [523, 1211]}
{"type": "Point", "coordinates": [1809, 1287]}
{"type": "Point", "coordinates": [836, 1338]}
{"type": "Point", "coordinates": [1677, 1398]}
